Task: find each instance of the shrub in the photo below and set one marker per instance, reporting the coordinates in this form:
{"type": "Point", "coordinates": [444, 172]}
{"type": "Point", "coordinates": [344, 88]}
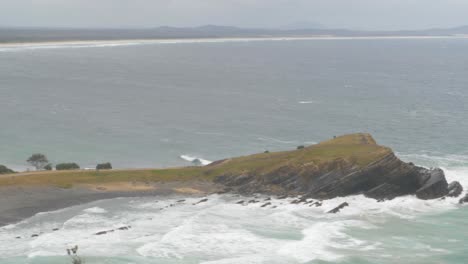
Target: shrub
{"type": "Point", "coordinates": [67, 166]}
{"type": "Point", "coordinates": [104, 166]}
{"type": "Point", "coordinates": [38, 160]}
{"type": "Point", "coordinates": [300, 147]}
{"type": "Point", "coordinates": [266, 151]}
{"type": "Point", "coordinates": [5, 170]}
{"type": "Point", "coordinates": [73, 254]}
{"type": "Point", "coordinates": [48, 167]}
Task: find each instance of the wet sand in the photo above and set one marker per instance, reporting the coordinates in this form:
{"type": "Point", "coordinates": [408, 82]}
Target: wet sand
{"type": "Point", "coordinates": [20, 202]}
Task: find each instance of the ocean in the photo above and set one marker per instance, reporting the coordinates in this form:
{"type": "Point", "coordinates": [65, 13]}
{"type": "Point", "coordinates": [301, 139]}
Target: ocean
{"type": "Point", "coordinates": [161, 104]}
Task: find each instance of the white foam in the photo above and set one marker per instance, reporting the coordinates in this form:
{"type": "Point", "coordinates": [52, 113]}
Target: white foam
{"type": "Point", "coordinates": [307, 102]}
{"type": "Point", "coordinates": [95, 210]}
{"type": "Point", "coordinates": [194, 158]}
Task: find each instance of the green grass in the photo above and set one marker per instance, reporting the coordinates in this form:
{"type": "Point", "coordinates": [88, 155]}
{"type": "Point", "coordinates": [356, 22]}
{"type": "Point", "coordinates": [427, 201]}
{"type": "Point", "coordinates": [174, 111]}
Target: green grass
{"type": "Point", "coordinates": [360, 149]}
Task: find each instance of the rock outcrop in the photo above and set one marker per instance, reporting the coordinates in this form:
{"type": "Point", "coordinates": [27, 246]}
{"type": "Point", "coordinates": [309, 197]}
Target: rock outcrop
{"type": "Point", "coordinates": [346, 165]}
{"type": "Point", "coordinates": [464, 199]}
{"type": "Point", "coordinates": [454, 189]}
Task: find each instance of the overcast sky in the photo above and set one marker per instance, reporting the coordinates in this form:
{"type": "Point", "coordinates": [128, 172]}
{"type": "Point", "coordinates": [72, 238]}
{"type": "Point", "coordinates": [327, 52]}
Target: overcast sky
{"type": "Point", "coordinates": [356, 14]}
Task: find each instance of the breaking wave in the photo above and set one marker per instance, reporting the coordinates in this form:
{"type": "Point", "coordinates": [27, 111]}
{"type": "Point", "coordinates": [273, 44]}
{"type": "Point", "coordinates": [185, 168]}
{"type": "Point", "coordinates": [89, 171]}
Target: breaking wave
{"type": "Point", "coordinates": [194, 159]}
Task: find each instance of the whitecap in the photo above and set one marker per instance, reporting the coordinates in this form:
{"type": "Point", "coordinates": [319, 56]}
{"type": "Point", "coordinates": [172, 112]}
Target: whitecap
{"type": "Point", "coordinates": [194, 159]}
{"type": "Point", "coordinates": [95, 210]}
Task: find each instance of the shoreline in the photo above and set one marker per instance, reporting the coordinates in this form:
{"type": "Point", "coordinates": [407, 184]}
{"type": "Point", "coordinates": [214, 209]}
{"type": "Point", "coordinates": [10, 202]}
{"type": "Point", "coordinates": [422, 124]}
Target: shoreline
{"type": "Point", "coordinates": [18, 203]}
{"type": "Point", "coordinates": [138, 41]}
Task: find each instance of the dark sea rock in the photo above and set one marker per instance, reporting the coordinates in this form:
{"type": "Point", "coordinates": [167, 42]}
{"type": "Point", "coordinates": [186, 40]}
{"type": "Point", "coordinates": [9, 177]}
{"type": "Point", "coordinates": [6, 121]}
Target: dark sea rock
{"type": "Point", "coordinates": [338, 208]}
{"type": "Point", "coordinates": [464, 199]}
{"type": "Point", "coordinates": [454, 189]}
{"type": "Point", "coordinates": [201, 201]}
{"type": "Point", "coordinates": [266, 204]}
{"type": "Point", "coordinates": [100, 233]}
{"type": "Point", "coordinates": [385, 191]}
{"type": "Point", "coordinates": [383, 179]}
{"type": "Point", "coordinates": [434, 184]}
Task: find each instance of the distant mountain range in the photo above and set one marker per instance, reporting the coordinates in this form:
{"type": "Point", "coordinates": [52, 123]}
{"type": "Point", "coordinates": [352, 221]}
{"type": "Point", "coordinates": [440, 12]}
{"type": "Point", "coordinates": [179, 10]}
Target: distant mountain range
{"type": "Point", "coordinates": [9, 35]}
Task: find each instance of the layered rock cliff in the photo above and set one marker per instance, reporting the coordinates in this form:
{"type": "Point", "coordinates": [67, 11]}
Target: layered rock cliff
{"type": "Point", "coordinates": [346, 165]}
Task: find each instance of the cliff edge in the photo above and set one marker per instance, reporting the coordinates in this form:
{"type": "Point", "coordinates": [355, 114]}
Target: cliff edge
{"type": "Point", "coordinates": [346, 165]}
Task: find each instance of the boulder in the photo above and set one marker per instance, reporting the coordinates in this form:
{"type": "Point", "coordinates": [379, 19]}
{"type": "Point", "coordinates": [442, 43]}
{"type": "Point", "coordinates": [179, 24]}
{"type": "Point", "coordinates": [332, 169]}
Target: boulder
{"type": "Point", "coordinates": [434, 184]}
{"type": "Point", "coordinates": [464, 199]}
{"type": "Point", "coordinates": [454, 189]}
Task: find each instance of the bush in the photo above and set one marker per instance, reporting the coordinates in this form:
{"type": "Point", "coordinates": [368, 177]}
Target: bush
{"type": "Point", "coordinates": [104, 166]}
{"type": "Point", "coordinates": [300, 147]}
{"type": "Point", "coordinates": [48, 167]}
{"type": "Point", "coordinates": [5, 170]}
{"type": "Point", "coordinates": [67, 166]}
{"type": "Point", "coordinates": [38, 160]}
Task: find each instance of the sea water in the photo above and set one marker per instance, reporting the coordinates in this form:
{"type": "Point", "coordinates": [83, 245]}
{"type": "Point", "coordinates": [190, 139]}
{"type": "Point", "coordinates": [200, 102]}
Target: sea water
{"type": "Point", "coordinates": [167, 104]}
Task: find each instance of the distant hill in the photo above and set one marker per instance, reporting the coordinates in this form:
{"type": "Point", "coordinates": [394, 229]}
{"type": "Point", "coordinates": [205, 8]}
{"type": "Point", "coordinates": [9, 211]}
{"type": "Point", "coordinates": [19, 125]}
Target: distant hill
{"type": "Point", "coordinates": [9, 35]}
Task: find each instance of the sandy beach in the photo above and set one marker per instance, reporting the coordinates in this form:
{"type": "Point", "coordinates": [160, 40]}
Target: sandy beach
{"type": "Point", "coordinates": [20, 202]}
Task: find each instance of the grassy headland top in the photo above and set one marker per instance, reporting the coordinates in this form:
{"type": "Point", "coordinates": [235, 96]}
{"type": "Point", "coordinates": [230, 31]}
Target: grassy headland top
{"type": "Point", "coordinates": [359, 149]}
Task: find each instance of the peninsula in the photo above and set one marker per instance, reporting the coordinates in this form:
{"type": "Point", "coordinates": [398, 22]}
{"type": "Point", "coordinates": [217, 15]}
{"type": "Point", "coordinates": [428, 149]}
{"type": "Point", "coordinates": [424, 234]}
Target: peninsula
{"type": "Point", "coordinates": [346, 165]}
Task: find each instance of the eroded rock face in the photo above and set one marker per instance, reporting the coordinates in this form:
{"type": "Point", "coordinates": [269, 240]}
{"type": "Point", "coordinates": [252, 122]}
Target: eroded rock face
{"type": "Point", "coordinates": [434, 184]}
{"type": "Point", "coordinates": [384, 178]}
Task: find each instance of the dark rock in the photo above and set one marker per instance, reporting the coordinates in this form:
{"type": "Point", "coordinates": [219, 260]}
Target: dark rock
{"type": "Point", "coordinates": [124, 228]}
{"type": "Point", "coordinates": [296, 201]}
{"type": "Point", "coordinates": [338, 208]}
{"type": "Point", "coordinates": [240, 202]}
{"type": "Point", "coordinates": [55, 229]}
{"type": "Point", "coordinates": [201, 201]}
{"type": "Point", "coordinates": [266, 204]}
{"type": "Point", "coordinates": [454, 189]}
{"type": "Point", "coordinates": [253, 201]}
{"type": "Point", "coordinates": [434, 184]}
{"type": "Point", "coordinates": [464, 199]}
{"type": "Point", "coordinates": [384, 177]}
{"type": "Point", "coordinates": [104, 232]}
{"type": "Point", "coordinates": [385, 191]}
{"type": "Point", "coordinates": [317, 204]}
{"type": "Point", "coordinates": [268, 199]}
{"type": "Point", "coordinates": [18, 237]}
{"type": "Point", "coordinates": [34, 235]}
{"type": "Point", "coordinates": [181, 201]}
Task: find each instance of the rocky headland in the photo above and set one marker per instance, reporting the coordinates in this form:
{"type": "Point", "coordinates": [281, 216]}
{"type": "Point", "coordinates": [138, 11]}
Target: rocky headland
{"type": "Point", "coordinates": [347, 165]}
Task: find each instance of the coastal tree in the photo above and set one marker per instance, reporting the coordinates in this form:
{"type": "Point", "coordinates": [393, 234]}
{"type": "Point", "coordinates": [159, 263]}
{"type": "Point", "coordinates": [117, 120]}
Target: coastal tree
{"type": "Point", "coordinates": [67, 166]}
{"type": "Point", "coordinates": [38, 161]}
{"type": "Point", "coordinates": [104, 166]}
{"type": "Point", "coordinates": [5, 170]}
